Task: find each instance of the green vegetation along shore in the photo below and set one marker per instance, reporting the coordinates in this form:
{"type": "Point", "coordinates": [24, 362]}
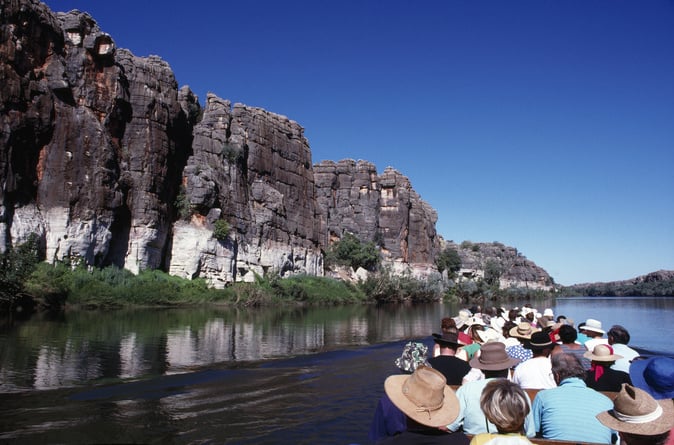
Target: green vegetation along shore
{"type": "Point", "coordinates": [28, 283]}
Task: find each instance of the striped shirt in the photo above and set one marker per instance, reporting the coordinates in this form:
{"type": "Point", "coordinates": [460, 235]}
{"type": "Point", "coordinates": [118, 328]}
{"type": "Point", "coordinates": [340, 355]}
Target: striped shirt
{"type": "Point", "coordinates": [568, 413]}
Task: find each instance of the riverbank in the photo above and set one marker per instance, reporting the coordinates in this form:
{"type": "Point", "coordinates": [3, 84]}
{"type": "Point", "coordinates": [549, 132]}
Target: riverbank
{"type": "Point", "coordinates": [55, 286]}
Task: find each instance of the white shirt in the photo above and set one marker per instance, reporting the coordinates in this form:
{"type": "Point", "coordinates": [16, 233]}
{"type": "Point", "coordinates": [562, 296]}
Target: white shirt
{"type": "Point", "coordinates": [535, 373]}
{"type": "Point", "coordinates": [591, 343]}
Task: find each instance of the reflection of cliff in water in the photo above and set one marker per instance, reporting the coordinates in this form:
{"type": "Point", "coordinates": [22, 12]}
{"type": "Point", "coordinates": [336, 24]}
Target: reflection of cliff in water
{"type": "Point", "coordinates": [91, 346]}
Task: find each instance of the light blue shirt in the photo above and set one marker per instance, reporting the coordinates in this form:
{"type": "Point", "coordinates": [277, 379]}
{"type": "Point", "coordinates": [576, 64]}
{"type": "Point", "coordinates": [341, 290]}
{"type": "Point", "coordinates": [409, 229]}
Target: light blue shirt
{"type": "Point", "coordinates": [628, 354]}
{"type": "Point", "coordinates": [568, 412]}
{"type": "Point", "coordinates": [471, 416]}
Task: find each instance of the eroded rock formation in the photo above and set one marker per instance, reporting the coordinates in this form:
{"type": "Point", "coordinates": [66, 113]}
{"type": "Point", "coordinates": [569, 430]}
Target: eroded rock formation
{"type": "Point", "coordinates": [381, 208]}
{"type": "Point", "coordinates": [253, 169]}
{"type": "Point", "coordinates": [109, 162]}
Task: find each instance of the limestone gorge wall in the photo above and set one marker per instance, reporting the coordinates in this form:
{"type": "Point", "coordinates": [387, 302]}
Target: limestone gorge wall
{"type": "Point", "coordinates": [381, 208]}
{"type": "Point", "coordinates": [253, 169]}
{"type": "Point", "coordinates": [515, 269]}
{"type": "Point", "coordinates": [110, 162]}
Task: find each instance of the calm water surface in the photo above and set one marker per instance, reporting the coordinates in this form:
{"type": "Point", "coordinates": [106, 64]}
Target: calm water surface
{"type": "Point", "coordinates": [271, 376]}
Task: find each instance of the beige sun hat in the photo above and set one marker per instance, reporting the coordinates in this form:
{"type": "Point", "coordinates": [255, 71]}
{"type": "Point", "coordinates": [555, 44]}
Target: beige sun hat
{"type": "Point", "coordinates": [523, 330]}
{"type": "Point", "coordinates": [423, 396]}
{"type": "Point", "coordinates": [602, 353]}
{"type": "Point", "coordinates": [636, 412]}
{"type": "Point", "coordinates": [462, 318]}
{"type": "Point", "coordinates": [488, 335]}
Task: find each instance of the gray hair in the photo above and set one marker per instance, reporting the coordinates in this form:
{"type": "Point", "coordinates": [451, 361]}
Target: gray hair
{"type": "Point", "coordinates": [565, 366]}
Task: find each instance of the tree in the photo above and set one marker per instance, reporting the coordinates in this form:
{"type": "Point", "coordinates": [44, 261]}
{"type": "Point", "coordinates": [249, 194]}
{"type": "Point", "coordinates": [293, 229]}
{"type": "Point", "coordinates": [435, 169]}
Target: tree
{"type": "Point", "coordinates": [492, 273]}
{"type": "Point", "coordinates": [449, 260]}
{"type": "Point", "coordinates": [15, 266]}
{"type": "Point", "coordinates": [221, 230]}
{"type": "Point", "coordinates": [349, 251]}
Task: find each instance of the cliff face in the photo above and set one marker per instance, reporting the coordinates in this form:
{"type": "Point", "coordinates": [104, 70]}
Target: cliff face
{"type": "Point", "coordinates": [381, 208]}
{"type": "Point", "coordinates": [514, 268]}
{"type": "Point", "coordinates": [93, 140]}
{"type": "Point", "coordinates": [109, 162]}
{"type": "Point", "coordinates": [253, 169]}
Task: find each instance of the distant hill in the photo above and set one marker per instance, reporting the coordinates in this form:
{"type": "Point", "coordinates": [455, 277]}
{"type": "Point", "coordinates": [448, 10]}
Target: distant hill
{"type": "Point", "coordinates": [655, 284]}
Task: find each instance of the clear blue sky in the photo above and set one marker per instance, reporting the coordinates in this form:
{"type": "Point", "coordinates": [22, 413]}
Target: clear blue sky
{"type": "Point", "coordinates": [545, 125]}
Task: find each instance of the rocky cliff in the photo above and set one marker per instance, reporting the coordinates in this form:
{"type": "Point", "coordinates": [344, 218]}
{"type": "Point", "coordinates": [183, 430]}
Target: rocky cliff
{"type": "Point", "coordinates": [513, 268]}
{"type": "Point", "coordinates": [111, 163]}
{"type": "Point", "coordinates": [253, 169]}
{"type": "Point", "coordinates": [658, 283]}
{"type": "Point", "coordinates": [381, 208]}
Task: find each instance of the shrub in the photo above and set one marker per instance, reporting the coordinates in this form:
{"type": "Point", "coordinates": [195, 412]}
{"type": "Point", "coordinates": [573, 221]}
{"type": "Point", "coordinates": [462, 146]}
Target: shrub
{"type": "Point", "coordinates": [349, 251]}
{"type": "Point", "coordinates": [221, 230]}
{"type": "Point", "coordinates": [182, 204]}
{"type": "Point", "coordinates": [449, 260]}
{"type": "Point", "coordinates": [385, 287]}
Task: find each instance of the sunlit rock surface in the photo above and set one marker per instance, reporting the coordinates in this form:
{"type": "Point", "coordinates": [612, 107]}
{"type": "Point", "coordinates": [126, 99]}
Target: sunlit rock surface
{"type": "Point", "coordinates": [109, 162]}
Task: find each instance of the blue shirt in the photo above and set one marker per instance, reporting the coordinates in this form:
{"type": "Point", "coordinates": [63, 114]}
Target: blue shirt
{"type": "Point", "coordinates": [471, 415]}
{"type": "Point", "coordinates": [568, 412]}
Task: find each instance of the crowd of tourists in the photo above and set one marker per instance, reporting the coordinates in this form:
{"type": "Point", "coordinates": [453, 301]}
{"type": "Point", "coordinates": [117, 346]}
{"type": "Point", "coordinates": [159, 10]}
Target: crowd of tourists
{"type": "Point", "coordinates": [520, 375]}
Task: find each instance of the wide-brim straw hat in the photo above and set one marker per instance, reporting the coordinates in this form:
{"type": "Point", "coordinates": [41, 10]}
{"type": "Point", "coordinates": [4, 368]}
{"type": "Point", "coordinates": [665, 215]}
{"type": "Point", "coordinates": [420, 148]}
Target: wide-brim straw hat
{"type": "Point", "coordinates": [493, 357]}
{"type": "Point", "coordinates": [654, 375]}
{"type": "Point", "coordinates": [423, 396]}
{"type": "Point", "coordinates": [593, 325]}
{"type": "Point", "coordinates": [636, 412]}
{"type": "Point", "coordinates": [523, 330]}
{"type": "Point", "coordinates": [602, 353]}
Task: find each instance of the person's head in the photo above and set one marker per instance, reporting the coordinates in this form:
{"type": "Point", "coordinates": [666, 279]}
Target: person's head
{"type": "Point", "coordinates": [567, 334]}
{"type": "Point", "coordinates": [618, 334]}
{"type": "Point", "coordinates": [473, 331]}
{"type": "Point", "coordinates": [448, 342]}
{"type": "Point", "coordinates": [654, 375]}
{"type": "Point", "coordinates": [523, 331]}
{"type": "Point", "coordinates": [507, 326]}
{"type": "Point", "coordinates": [561, 318]}
{"type": "Point", "coordinates": [638, 417]}
{"type": "Point", "coordinates": [592, 328]}
{"type": "Point", "coordinates": [540, 344]}
{"type": "Point", "coordinates": [566, 366]}
{"type": "Point", "coordinates": [513, 314]}
{"type": "Point", "coordinates": [641, 439]}
{"type": "Point", "coordinates": [530, 317]}
{"type": "Point", "coordinates": [602, 355]}
{"type": "Point", "coordinates": [493, 360]}
{"type": "Point", "coordinates": [549, 314]}
{"type": "Point", "coordinates": [414, 355]}
{"type": "Point", "coordinates": [424, 397]}
{"type": "Point", "coordinates": [505, 405]}
{"type": "Point", "coordinates": [448, 325]}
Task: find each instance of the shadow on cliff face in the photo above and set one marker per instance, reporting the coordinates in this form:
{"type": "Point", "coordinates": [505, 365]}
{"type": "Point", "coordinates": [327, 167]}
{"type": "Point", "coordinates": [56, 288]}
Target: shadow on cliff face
{"type": "Point", "coordinates": [119, 241]}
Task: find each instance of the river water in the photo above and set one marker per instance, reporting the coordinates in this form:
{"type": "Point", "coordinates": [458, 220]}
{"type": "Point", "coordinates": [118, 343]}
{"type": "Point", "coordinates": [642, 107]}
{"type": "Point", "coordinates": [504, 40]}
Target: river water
{"type": "Point", "coordinates": [213, 375]}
